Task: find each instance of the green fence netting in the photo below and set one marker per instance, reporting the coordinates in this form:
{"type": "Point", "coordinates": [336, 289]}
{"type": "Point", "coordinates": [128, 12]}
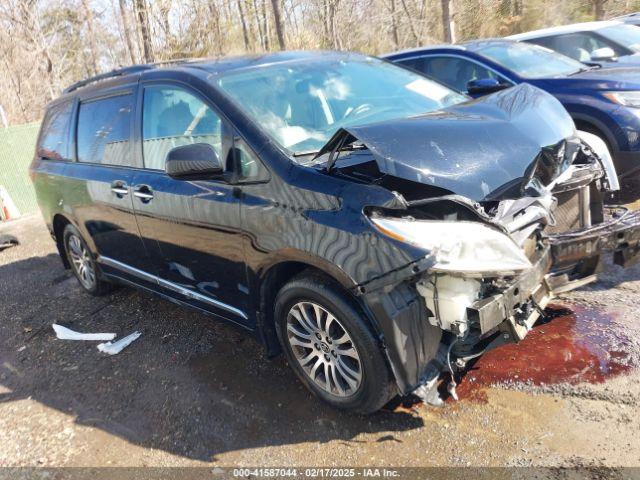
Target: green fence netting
{"type": "Point", "coordinates": [17, 146]}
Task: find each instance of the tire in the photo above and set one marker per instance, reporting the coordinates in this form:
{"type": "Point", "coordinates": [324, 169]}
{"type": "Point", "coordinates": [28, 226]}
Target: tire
{"type": "Point", "coordinates": [312, 351]}
{"type": "Point", "coordinates": [83, 263]}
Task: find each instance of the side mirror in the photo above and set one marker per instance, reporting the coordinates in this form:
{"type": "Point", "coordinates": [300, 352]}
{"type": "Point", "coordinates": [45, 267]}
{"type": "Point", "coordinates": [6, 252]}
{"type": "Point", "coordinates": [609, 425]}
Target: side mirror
{"type": "Point", "coordinates": [602, 54]}
{"type": "Point", "coordinates": [483, 86]}
{"type": "Point", "coordinates": [193, 161]}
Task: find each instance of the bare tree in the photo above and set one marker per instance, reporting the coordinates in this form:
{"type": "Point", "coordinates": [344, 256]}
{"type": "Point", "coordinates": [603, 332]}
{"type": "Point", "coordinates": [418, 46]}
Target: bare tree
{"type": "Point", "coordinates": [145, 30]}
{"type": "Point", "coordinates": [92, 36]}
{"type": "Point", "coordinates": [598, 8]}
{"type": "Point", "coordinates": [410, 21]}
{"type": "Point", "coordinates": [394, 23]}
{"type": "Point", "coordinates": [265, 25]}
{"type": "Point", "coordinates": [329, 20]}
{"type": "Point", "coordinates": [275, 4]}
{"type": "Point", "coordinates": [448, 24]}
{"type": "Point", "coordinates": [243, 20]}
{"type": "Point", "coordinates": [214, 24]}
{"type": "Point", "coordinates": [46, 45]}
{"type": "Point", "coordinates": [16, 90]}
{"type": "Point", "coordinates": [258, 23]}
{"type": "Point", "coordinates": [126, 29]}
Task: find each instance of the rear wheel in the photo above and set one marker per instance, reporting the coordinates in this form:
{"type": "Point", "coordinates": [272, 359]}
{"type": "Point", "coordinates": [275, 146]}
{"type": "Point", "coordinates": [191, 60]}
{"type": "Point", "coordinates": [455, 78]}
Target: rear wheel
{"type": "Point", "coordinates": [329, 345]}
{"type": "Point", "coordinates": [83, 263]}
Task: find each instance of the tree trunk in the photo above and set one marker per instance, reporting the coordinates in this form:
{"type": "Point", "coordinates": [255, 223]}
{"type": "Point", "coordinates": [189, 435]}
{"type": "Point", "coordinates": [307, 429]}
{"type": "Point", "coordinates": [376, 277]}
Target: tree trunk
{"type": "Point", "coordinates": [256, 18]}
{"type": "Point", "coordinates": [126, 29]}
{"type": "Point", "coordinates": [412, 27]}
{"type": "Point", "coordinates": [214, 13]}
{"type": "Point", "coordinates": [145, 31]}
{"type": "Point", "coordinates": [245, 33]}
{"type": "Point", "coordinates": [92, 36]}
{"type": "Point", "coordinates": [166, 27]}
{"type": "Point", "coordinates": [517, 8]}
{"type": "Point", "coordinates": [265, 25]}
{"type": "Point", "coordinates": [278, 23]}
{"type": "Point", "coordinates": [394, 25]}
{"type": "Point", "coordinates": [448, 25]}
{"type": "Point", "coordinates": [598, 9]}
{"type": "Point", "coordinates": [332, 8]}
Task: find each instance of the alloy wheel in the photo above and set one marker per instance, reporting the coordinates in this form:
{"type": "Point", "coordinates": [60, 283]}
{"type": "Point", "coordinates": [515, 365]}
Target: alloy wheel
{"type": "Point", "coordinates": [82, 262]}
{"type": "Point", "coordinates": [324, 349]}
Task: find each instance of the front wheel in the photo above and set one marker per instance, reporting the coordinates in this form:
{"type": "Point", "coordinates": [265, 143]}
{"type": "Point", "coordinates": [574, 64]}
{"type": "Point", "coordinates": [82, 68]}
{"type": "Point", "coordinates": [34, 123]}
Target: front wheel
{"type": "Point", "coordinates": [330, 346]}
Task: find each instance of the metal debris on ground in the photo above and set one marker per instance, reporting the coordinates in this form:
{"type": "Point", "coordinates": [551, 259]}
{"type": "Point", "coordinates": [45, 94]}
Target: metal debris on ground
{"type": "Point", "coordinates": [113, 348]}
{"type": "Point", "coordinates": [7, 241]}
{"type": "Point", "coordinates": [64, 333]}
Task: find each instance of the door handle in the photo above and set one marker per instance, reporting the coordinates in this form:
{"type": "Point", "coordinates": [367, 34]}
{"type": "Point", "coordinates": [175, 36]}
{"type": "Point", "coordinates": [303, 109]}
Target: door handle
{"type": "Point", "coordinates": [143, 192]}
{"type": "Point", "coordinates": [120, 188]}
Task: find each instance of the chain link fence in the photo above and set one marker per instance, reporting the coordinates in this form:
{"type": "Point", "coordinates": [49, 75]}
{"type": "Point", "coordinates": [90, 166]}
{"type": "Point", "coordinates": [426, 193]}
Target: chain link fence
{"type": "Point", "coordinates": [17, 146]}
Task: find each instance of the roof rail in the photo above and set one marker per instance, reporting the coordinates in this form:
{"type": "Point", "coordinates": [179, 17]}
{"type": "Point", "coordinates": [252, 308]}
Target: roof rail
{"type": "Point", "coordinates": [113, 73]}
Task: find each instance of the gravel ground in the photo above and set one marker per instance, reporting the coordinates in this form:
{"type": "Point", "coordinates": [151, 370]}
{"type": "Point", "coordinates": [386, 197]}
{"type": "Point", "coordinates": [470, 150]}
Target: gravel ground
{"type": "Point", "coordinates": [195, 392]}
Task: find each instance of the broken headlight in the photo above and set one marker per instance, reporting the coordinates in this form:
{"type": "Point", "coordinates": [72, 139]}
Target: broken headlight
{"type": "Point", "coordinates": [459, 247]}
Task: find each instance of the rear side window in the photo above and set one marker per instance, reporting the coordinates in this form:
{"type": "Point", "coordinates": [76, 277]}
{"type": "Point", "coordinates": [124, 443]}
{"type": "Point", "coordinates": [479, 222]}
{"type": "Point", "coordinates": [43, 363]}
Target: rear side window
{"type": "Point", "coordinates": [578, 46]}
{"type": "Point", "coordinates": [54, 140]}
{"type": "Point", "coordinates": [104, 131]}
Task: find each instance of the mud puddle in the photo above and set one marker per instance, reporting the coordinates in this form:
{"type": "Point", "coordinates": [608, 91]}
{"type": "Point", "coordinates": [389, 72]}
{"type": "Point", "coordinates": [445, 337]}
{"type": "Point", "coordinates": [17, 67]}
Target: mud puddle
{"type": "Point", "coordinates": [573, 344]}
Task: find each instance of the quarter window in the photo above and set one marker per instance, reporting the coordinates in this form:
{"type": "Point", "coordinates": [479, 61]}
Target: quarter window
{"type": "Point", "coordinates": [104, 128]}
{"type": "Point", "coordinates": [54, 140]}
{"type": "Point", "coordinates": [249, 166]}
{"type": "Point", "coordinates": [173, 117]}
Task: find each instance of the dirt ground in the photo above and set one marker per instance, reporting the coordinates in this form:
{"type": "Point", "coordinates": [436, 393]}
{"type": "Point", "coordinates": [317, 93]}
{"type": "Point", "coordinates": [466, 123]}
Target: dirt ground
{"type": "Point", "coordinates": [193, 392]}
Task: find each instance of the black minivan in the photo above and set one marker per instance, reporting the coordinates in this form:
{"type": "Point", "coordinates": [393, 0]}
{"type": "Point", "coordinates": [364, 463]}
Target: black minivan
{"type": "Point", "coordinates": [376, 226]}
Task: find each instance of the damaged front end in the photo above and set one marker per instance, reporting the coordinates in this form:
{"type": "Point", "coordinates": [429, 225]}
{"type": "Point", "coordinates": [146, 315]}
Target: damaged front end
{"type": "Point", "coordinates": [505, 199]}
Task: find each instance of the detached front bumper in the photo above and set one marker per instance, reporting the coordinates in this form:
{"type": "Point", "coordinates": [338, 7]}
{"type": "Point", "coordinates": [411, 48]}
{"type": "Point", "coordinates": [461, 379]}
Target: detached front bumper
{"type": "Point", "coordinates": [619, 236]}
{"type": "Point", "coordinates": [519, 304]}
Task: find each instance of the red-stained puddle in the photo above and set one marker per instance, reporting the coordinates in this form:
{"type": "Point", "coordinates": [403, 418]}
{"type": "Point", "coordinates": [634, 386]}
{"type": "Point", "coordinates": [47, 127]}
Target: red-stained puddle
{"type": "Point", "coordinates": [573, 344]}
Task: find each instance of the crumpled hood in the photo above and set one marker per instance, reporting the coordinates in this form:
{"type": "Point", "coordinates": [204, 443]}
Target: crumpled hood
{"type": "Point", "coordinates": [492, 148]}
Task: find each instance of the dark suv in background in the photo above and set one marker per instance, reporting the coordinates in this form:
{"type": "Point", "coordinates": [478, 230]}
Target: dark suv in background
{"type": "Point", "coordinates": [601, 101]}
{"type": "Point", "coordinates": [373, 224]}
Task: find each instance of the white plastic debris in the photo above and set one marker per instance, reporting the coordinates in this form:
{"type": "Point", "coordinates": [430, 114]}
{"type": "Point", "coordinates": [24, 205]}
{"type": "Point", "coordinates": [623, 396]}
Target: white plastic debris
{"type": "Point", "coordinates": [64, 333]}
{"type": "Point", "coordinates": [113, 348]}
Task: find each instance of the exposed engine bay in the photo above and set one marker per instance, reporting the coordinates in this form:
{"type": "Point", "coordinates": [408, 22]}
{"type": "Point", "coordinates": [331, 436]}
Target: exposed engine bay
{"type": "Point", "coordinates": [504, 234]}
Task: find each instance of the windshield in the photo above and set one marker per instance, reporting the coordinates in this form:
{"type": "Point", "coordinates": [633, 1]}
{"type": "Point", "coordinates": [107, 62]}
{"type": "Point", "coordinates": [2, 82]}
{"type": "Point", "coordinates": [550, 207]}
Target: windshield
{"type": "Point", "coordinates": [626, 35]}
{"type": "Point", "coordinates": [530, 61]}
{"type": "Point", "coordinates": [302, 104]}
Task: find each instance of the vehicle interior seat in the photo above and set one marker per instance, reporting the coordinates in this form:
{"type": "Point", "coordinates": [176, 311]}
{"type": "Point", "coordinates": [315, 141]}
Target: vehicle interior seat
{"type": "Point", "coordinates": [445, 69]}
{"type": "Point", "coordinates": [574, 47]}
{"type": "Point", "coordinates": [466, 73]}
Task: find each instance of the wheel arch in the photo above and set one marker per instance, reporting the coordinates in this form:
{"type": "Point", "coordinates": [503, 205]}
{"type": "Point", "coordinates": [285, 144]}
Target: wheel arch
{"type": "Point", "coordinates": [276, 275]}
{"type": "Point", "coordinates": [592, 125]}
{"type": "Point", "coordinates": [58, 224]}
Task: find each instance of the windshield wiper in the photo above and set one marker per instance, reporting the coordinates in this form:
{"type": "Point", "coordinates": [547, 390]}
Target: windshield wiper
{"type": "Point", "coordinates": [346, 148]}
{"type": "Point", "coordinates": [335, 153]}
{"type": "Point", "coordinates": [586, 68]}
{"type": "Point", "coordinates": [305, 153]}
